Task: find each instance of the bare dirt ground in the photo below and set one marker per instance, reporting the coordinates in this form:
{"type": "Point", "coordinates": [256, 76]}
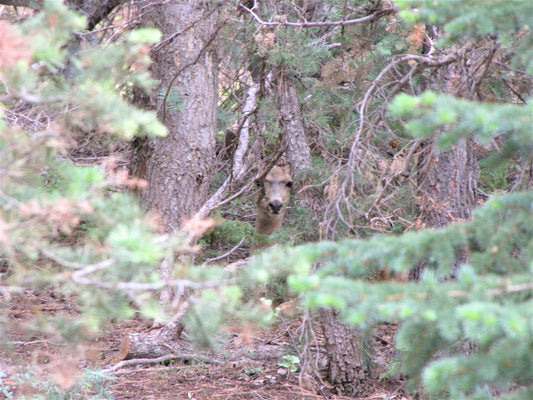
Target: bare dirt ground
{"type": "Point", "coordinates": [242, 368]}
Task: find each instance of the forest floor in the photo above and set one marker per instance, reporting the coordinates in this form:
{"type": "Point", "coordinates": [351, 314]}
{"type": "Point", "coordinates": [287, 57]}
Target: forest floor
{"type": "Point", "coordinates": [242, 368]}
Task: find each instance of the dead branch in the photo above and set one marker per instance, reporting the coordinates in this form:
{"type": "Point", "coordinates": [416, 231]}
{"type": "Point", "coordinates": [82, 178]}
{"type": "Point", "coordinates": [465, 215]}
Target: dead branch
{"type": "Point", "coordinates": [403, 172]}
{"type": "Point", "coordinates": [419, 59]}
{"type": "Point", "coordinates": [227, 253]}
{"type": "Point", "coordinates": [244, 134]}
{"type": "Point", "coordinates": [306, 24]}
{"type": "Point", "coordinates": [275, 158]}
{"type": "Point", "coordinates": [341, 204]}
{"type": "Point", "coordinates": [239, 166]}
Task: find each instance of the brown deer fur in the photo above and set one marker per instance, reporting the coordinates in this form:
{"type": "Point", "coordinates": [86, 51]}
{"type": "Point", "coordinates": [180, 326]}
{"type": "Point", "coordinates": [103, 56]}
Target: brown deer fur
{"type": "Point", "coordinates": [272, 199]}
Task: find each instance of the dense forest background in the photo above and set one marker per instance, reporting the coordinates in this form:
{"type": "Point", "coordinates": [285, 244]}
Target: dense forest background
{"type": "Point", "coordinates": [132, 136]}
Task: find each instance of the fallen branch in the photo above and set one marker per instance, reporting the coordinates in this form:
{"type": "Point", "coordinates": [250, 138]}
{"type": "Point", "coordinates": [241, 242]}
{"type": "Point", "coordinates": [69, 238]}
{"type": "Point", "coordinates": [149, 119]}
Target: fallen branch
{"type": "Point", "coordinates": [159, 360]}
{"type": "Point", "coordinates": [139, 361]}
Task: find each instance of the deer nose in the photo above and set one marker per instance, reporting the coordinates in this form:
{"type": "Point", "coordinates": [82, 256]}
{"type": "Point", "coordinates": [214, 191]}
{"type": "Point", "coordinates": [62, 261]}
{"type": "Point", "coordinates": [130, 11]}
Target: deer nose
{"type": "Point", "coordinates": [275, 206]}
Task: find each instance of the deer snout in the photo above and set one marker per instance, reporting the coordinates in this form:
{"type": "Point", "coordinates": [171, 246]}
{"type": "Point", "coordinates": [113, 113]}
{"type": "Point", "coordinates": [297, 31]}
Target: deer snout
{"type": "Point", "coordinates": [275, 206]}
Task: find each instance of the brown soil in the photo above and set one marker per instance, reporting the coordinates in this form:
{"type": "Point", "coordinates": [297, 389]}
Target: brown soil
{"type": "Point", "coordinates": [244, 367]}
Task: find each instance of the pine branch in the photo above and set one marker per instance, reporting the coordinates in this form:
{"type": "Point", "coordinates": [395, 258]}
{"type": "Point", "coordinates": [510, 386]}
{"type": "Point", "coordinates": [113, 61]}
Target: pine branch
{"type": "Point", "coordinates": [346, 186]}
{"type": "Point", "coordinates": [82, 270]}
{"type": "Point", "coordinates": [514, 288]}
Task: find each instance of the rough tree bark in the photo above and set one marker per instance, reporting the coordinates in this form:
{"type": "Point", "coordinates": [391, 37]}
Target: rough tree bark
{"type": "Point", "coordinates": [297, 150]}
{"type": "Point", "coordinates": [447, 187]}
{"type": "Point", "coordinates": [447, 184]}
{"type": "Point", "coordinates": [344, 346]}
{"type": "Point", "coordinates": [447, 180]}
{"type": "Point", "coordinates": [447, 191]}
{"type": "Point", "coordinates": [179, 165]}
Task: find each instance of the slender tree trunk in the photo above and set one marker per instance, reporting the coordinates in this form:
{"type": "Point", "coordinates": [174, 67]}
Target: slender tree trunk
{"type": "Point", "coordinates": [448, 184]}
{"type": "Point", "coordinates": [346, 363]}
{"type": "Point", "coordinates": [297, 150]}
{"type": "Point", "coordinates": [447, 180]}
{"type": "Point", "coordinates": [180, 165]}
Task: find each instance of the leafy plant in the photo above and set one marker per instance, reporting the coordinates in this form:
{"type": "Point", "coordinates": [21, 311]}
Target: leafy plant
{"type": "Point", "coordinates": [290, 362]}
{"type": "Point", "coordinates": [253, 371]}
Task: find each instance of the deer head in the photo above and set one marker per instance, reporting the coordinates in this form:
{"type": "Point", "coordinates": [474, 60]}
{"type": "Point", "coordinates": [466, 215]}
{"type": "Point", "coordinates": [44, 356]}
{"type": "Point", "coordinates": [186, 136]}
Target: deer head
{"type": "Point", "coordinates": [273, 197]}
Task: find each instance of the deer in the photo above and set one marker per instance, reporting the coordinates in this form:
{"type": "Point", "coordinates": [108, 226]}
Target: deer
{"type": "Point", "coordinates": [272, 199]}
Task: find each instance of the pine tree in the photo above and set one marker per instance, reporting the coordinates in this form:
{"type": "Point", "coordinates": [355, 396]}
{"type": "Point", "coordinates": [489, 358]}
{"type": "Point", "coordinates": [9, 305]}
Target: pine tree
{"type": "Point", "coordinates": [64, 225]}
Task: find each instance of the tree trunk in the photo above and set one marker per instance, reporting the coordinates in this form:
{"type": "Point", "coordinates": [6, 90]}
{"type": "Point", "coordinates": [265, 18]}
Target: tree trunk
{"type": "Point", "coordinates": [180, 165]}
{"type": "Point", "coordinates": [448, 184]}
{"type": "Point", "coordinates": [346, 361]}
{"type": "Point", "coordinates": [297, 150]}
{"type": "Point", "coordinates": [447, 181]}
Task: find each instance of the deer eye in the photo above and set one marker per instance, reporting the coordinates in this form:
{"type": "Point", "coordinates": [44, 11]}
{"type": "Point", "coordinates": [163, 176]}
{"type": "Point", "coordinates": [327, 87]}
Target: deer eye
{"type": "Point", "coordinates": [289, 184]}
{"type": "Point", "coordinates": [259, 183]}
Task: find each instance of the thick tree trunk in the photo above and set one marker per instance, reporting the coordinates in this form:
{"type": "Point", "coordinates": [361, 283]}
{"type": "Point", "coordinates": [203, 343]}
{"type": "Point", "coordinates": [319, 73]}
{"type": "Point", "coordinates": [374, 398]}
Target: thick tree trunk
{"type": "Point", "coordinates": [180, 165]}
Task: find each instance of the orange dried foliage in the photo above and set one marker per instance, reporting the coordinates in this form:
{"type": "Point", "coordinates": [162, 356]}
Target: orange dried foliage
{"type": "Point", "coordinates": [119, 176]}
{"type": "Point", "coordinates": [416, 38]}
{"type": "Point", "coordinates": [13, 47]}
{"type": "Point", "coordinates": [62, 215]}
{"type": "Point", "coordinates": [196, 227]}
